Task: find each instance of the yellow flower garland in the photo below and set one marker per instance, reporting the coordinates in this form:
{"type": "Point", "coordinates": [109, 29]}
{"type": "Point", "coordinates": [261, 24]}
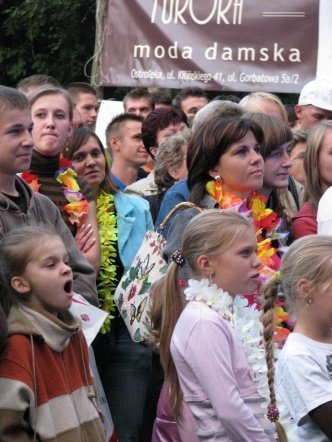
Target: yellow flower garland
{"type": "Point", "coordinates": [107, 276]}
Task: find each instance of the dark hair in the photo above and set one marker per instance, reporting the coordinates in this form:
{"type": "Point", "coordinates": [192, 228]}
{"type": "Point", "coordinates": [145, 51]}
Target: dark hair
{"type": "Point", "coordinates": [115, 125]}
{"type": "Point", "coordinates": [136, 94]}
{"type": "Point", "coordinates": [15, 251]}
{"type": "Point", "coordinates": [75, 89]}
{"type": "Point", "coordinates": [208, 144]}
{"type": "Point", "coordinates": [11, 98]}
{"type": "Point", "coordinates": [188, 92]}
{"type": "Point", "coordinates": [158, 120]}
{"type": "Point", "coordinates": [292, 118]}
{"type": "Point", "coordinates": [79, 137]}
{"type": "Point", "coordinates": [35, 81]}
{"type": "Point", "coordinates": [161, 97]}
{"type": "Point", "coordinates": [227, 97]}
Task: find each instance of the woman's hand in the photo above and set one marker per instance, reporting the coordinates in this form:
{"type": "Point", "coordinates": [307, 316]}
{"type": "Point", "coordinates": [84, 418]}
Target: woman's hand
{"type": "Point", "coordinates": [84, 238]}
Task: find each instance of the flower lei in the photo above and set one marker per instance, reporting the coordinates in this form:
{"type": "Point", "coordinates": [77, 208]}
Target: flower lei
{"type": "Point", "coordinates": [267, 227]}
{"type": "Point", "coordinates": [246, 322]}
{"type": "Point", "coordinates": [107, 275]}
{"type": "Point", "coordinates": [77, 204]}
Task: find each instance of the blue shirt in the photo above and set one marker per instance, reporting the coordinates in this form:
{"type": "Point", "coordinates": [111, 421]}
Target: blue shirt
{"type": "Point", "coordinates": [119, 183]}
{"type": "Point", "coordinates": [178, 193]}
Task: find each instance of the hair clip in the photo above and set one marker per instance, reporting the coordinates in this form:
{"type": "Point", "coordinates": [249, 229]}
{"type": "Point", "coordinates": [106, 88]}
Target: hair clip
{"type": "Point", "coordinates": [178, 258]}
{"type": "Point", "coordinates": [272, 413]}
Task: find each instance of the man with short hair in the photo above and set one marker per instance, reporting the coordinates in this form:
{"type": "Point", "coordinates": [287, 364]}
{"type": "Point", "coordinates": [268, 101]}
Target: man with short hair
{"type": "Point", "coordinates": [86, 106]}
{"type": "Point", "coordinates": [315, 103]}
{"type": "Point", "coordinates": [124, 143]}
{"type": "Point", "coordinates": [139, 102]}
{"type": "Point", "coordinates": [190, 100]}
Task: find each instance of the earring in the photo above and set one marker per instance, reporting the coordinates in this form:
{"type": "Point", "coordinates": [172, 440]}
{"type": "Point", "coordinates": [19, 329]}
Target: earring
{"type": "Point", "coordinates": [309, 301]}
{"type": "Point", "coordinates": [210, 279]}
{"type": "Point", "coordinates": [218, 179]}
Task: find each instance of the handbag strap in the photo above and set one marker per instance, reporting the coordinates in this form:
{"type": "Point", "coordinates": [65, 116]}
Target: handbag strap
{"type": "Point", "coordinates": [185, 204]}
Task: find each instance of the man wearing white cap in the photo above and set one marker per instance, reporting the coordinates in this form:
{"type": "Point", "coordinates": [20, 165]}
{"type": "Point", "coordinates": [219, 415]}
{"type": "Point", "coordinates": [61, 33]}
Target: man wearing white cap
{"type": "Point", "coordinates": [315, 103]}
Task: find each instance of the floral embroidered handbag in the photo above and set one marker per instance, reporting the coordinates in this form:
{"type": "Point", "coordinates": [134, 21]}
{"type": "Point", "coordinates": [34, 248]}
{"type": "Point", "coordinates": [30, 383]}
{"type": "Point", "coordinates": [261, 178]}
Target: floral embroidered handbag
{"type": "Point", "coordinates": [132, 295]}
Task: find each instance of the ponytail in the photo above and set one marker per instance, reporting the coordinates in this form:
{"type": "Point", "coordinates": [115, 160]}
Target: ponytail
{"type": "Point", "coordinates": [270, 293]}
{"type": "Point", "coordinates": [167, 306]}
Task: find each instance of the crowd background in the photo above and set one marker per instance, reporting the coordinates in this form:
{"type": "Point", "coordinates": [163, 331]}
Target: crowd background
{"type": "Point", "coordinates": [229, 152]}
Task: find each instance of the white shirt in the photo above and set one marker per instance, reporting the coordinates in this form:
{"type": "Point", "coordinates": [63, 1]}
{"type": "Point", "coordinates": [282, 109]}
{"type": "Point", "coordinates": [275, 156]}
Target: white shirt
{"type": "Point", "coordinates": [304, 382]}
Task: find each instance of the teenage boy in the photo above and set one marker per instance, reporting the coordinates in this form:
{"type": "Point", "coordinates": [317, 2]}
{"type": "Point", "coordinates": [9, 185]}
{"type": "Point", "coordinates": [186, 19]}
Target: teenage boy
{"type": "Point", "coordinates": [125, 145]}
{"type": "Point", "coordinates": [86, 105]}
{"type": "Point", "coordinates": [18, 204]}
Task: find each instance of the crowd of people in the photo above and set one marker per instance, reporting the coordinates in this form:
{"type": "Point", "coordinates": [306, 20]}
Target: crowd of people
{"type": "Point", "coordinates": [241, 346]}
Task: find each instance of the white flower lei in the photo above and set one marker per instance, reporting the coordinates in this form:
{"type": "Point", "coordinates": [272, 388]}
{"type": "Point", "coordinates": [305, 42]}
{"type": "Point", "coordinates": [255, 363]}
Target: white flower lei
{"type": "Point", "coordinates": [246, 322]}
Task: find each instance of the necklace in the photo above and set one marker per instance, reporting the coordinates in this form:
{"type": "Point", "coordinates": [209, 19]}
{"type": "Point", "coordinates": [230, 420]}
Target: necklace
{"type": "Point", "coordinates": [108, 237]}
{"type": "Point", "coordinates": [77, 204]}
{"type": "Point", "coordinates": [267, 227]}
{"type": "Point", "coordinates": [245, 320]}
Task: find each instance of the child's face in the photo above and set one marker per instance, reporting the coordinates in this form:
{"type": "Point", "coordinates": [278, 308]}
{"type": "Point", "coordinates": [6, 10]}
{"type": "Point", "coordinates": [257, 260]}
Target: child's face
{"type": "Point", "coordinates": [52, 126]}
{"type": "Point", "coordinates": [237, 269]}
{"type": "Point", "coordinates": [47, 281]}
{"type": "Point", "coordinates": [15, 141]}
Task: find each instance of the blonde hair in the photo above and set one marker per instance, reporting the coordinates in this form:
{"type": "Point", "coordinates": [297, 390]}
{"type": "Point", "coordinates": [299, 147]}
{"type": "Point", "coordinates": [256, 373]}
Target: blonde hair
{"type": "Point", "coordinates": [209, 233]}
{"type": "Point", "coordinates": [49, 89]}
{"type": "Point", "coordinates": [313, 185]}
{"type": "Point", "coordinates": [255, 101]}
{"type": "Point", "coordinates": [309, 257]}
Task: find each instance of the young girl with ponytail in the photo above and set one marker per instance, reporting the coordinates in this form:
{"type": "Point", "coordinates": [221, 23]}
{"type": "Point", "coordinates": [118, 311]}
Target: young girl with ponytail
{"type": "Point", "coordinates": [304, 367]}
{"type": "Point", "coordinates": [209, 347]}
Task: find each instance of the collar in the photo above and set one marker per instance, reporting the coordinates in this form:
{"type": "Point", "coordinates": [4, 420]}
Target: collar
{"type": "Point", "coordinates": [43, 165]}
{"type": "Point", "coordinates": [55, 331]}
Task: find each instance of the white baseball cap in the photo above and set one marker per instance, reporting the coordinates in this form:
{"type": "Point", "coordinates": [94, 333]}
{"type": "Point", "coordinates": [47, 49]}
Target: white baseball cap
{"type": "Point", "coordinates": [317, 93]}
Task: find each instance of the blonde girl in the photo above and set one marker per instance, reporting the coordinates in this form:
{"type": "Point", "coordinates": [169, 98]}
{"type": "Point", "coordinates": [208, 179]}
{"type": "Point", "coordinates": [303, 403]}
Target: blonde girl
{"type": "Point", "coordinates": [201, 350]}
{"type": "Point", "coordinates": [304, 366]}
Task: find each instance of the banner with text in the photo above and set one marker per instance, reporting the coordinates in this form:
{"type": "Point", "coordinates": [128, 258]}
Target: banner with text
{"type": "Point", "coordinates": [231, 45]}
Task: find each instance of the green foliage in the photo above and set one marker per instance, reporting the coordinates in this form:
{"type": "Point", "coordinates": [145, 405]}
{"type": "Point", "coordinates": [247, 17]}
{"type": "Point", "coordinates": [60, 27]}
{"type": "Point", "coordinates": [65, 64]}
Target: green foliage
{"type": "Point", "coordinates": [53, 37]}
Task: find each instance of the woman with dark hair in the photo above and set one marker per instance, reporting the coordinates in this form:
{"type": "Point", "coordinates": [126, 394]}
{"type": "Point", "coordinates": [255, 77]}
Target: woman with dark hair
{"type": "Point", "coordinates": [225, 167]}
{"type": "Point", "coordinates": [124, 366]}
{"type": "Point", "coordinates": [225, 171]}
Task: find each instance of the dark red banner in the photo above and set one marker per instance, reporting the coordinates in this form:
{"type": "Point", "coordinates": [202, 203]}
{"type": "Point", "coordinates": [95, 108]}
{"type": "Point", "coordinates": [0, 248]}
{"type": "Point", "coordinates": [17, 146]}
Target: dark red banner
{"type": "Point", "coordinates": [233, 45]}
